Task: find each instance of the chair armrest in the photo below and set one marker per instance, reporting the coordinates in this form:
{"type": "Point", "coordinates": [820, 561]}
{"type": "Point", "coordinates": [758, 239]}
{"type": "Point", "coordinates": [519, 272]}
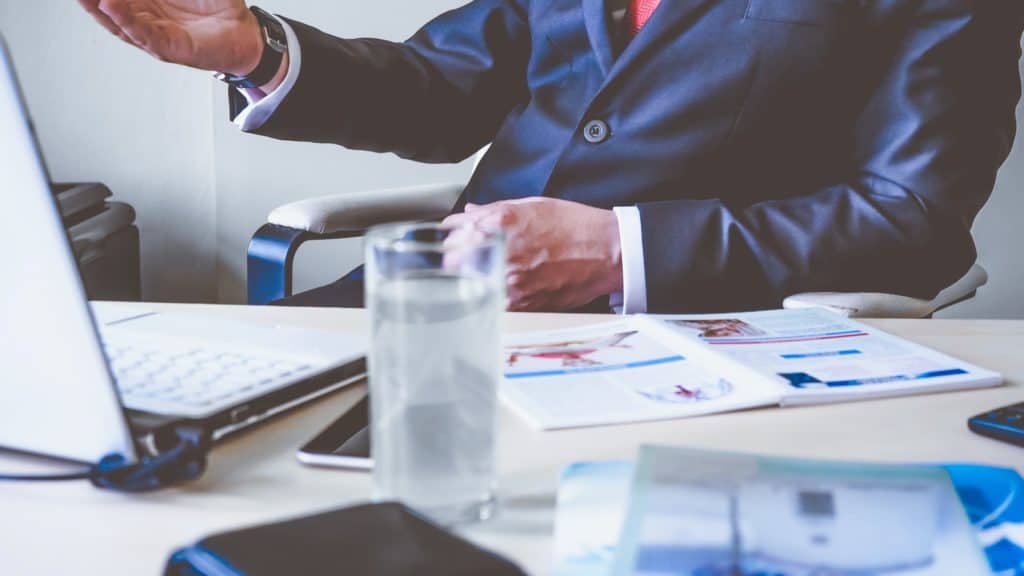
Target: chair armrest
{"type": "Point", "coordinates": [272, 249]}
{"type": "Point", "coordinates": [876, 305]}
{"type": "Point", "coordinates": [357, 211]}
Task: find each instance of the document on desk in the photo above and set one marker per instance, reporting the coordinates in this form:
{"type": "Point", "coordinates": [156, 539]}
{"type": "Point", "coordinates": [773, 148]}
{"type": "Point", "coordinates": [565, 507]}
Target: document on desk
{"type": "Point", "coordinates": [593, 499]}
{"type": "Point", "coordinates": [644, 368]}
{"type": "Point", "coordinates": [695, 512]}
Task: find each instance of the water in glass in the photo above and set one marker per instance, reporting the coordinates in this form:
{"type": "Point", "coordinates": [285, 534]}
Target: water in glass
{"type": "Point", "coordinates": [435, 365]}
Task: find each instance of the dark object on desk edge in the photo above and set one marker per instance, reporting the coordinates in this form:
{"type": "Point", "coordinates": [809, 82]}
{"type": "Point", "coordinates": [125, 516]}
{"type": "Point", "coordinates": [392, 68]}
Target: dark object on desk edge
{"type": "Point", "coordinates": [1005, 424]}
{"type": "Point", "coordinates": [370, 540]}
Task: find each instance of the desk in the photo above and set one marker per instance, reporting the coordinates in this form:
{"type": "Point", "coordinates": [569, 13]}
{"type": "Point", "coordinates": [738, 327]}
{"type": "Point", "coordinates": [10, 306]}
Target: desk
{"type": "Point", "coordinates": [254, 478]}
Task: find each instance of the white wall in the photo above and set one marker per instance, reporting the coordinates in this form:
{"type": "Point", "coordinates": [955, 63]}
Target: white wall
{"type": "Point", "coordinates": [107, 112]}
{"type": "Point", "coordinates": [999, 233]}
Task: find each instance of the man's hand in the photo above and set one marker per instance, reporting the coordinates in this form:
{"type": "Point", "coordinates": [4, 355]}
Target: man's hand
{"type": "Point", "coordinates": [561, 255]}
{"type": "Point", "coordinates": [217, 35]}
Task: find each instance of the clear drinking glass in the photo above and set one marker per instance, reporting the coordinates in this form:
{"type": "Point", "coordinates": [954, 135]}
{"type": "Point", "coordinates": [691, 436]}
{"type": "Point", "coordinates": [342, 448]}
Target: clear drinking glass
{"type": "Point", "coordinates": [435, 296]}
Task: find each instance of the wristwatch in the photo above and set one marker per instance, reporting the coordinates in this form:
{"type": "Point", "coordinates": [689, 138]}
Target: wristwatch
{"type": "Point", "coordinates": [275, 46]}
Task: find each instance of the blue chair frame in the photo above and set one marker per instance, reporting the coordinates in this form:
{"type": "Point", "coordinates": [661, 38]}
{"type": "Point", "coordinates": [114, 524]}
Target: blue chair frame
{"type": "Point", "coordinates": [271, 260]}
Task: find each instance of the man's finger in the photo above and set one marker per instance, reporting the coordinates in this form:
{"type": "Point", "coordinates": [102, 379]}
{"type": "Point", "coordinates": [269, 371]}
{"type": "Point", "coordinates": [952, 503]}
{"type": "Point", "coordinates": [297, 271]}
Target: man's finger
{"type": "Point", "coordinates": [115, 10]}
{"type": "Point", "coordinates": [519, 298]}
{"type": "Point", "coordinates": [524, 296]}
{"type": "Point", "coordinates": [111, 27]}
{"type": "Point", "coordinates": [139, 32]}
{"type": "Point", "coordinates": [526, 304]}
{"type": "Point", "coordinates": [456, 219]}
{"type": "Point", "coordinates": [482, 218]}
{"type": "Point", "coordinates": [517, 304]}
{"type": "Point", "coordinates": [93, 8]}
{"type": "Point", "coordinates": [90, 5]}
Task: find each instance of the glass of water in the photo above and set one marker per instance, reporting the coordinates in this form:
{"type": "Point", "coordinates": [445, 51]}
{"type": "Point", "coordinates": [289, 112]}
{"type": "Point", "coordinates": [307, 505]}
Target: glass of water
{"type": "Point", "coordinates": [435, 296]}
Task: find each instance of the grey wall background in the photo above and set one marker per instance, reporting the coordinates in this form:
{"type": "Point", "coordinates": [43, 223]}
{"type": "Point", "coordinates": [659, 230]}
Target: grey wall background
{"type": "Point", "coordinates": [999, 233]}
{"type": "Point", "coordinates": [159, 136]}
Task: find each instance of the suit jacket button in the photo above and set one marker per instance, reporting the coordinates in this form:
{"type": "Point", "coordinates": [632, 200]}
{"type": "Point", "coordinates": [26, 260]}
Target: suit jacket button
{"type": "Point", "coordinates": [596, 131]}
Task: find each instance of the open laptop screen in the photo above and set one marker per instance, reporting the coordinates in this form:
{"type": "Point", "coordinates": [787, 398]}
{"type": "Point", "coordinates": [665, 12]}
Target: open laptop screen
{"type": "Point", "coordinates": [56, 393]}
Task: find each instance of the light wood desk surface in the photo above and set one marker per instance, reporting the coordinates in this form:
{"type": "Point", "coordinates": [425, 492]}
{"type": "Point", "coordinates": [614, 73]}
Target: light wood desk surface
{"type": "Point", "coordinates": [70, 528]}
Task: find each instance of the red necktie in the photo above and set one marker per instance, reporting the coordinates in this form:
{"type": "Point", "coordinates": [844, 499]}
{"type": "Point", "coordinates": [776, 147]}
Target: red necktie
{"type": "Point", "coordinates": [639, 13]}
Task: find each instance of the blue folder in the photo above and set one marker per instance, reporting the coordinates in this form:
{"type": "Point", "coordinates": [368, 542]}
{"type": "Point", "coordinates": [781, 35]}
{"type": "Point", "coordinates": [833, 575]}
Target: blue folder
{"type": "Point", "coordinates": [994, 500]}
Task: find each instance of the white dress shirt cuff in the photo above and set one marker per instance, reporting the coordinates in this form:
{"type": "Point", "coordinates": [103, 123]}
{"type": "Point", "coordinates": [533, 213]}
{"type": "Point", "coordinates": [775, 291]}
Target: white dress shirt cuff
{"type": "Point", "coordinates": [261, 107]}
{"type": "Point", "coordinates": [633, 300]}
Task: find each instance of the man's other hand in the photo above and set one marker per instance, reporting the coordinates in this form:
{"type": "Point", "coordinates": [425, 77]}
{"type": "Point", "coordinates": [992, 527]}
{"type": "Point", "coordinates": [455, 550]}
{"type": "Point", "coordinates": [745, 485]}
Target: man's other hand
{"type": "Point", "coordinates": [217, 35]}
{"type": "Point", "coordinates": [561, 255]}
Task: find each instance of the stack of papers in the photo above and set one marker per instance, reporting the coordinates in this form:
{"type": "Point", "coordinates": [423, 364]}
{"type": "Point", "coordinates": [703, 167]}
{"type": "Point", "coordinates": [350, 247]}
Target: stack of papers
{"type": "Point", "coordinates": [647, 368]}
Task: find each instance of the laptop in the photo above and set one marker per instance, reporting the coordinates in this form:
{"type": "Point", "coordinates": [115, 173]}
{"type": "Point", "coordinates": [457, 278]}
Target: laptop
{"type": "Point", "coordinates": [84, 381]}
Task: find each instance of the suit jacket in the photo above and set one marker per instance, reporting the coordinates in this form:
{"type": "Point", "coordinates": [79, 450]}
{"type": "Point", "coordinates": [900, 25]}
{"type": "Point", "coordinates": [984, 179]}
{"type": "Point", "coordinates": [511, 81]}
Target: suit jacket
{"type": "Point", "coordinates": [771, 146]}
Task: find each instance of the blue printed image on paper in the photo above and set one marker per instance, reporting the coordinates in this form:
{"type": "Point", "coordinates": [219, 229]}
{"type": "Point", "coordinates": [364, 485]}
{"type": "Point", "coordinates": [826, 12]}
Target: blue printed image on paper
{"type": "Point", "coordinates": [803, 380]}
{"type": "Point", "coordinates": [825, 354]}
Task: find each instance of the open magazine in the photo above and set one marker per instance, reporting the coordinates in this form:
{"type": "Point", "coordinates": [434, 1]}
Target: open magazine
{"type": "Point", "coordinates": [644, 368]}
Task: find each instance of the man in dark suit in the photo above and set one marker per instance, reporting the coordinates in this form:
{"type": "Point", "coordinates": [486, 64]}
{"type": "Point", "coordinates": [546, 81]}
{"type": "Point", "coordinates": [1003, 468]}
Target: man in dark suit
{"type": "Point", "coordinates": [677, 155]}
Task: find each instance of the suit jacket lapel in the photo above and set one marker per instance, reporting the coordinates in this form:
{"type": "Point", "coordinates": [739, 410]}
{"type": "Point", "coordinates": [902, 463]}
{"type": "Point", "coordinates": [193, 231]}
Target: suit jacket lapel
{"type": "Point", "coordinates": [598, 23]}
{"type": "Point", "coordinates": [668, 21]}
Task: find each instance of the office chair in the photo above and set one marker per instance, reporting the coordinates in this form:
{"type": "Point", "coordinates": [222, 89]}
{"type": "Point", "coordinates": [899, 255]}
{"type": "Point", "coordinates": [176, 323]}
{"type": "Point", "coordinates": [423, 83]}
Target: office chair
{"type": "Point", "coordinates": [273, 248]}
{"type": "Point", "coordinates": [105, 240]}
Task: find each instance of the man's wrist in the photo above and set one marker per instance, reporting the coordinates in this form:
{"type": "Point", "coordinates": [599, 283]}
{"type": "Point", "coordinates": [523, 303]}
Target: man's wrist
{"type": "Point", "coordinates": [255, 56]}
{"type": "Point", "coordinates": [615, 279]}
{"type": "Point", "coordinates": [263, 102]}
{"type": "Point", "coordinates": [250, 47]}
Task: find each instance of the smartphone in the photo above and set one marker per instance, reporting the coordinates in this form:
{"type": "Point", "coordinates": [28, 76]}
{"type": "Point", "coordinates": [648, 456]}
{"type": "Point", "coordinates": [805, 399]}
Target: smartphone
{"type": "Point", "coordinates": [1005, 424]}
{"type": "Point", "coordinates": [344, 444]}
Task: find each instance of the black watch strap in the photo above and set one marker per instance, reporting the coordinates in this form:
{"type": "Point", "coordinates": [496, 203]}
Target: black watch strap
{"type": "Point", "coordinates": [275, 45]}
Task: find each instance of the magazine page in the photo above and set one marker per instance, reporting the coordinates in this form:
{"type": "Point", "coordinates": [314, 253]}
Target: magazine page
{"type": "Point", "coordinates": [818, 356]}
{"type": "Point", "coordinates": [695, 512]}
{"type": "Point", "coordinates": [619, 372]}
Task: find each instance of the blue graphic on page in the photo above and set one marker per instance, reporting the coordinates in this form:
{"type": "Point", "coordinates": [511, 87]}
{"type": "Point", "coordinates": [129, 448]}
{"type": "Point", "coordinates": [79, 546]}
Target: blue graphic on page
{"type": "Point", "coordinates": [826, 354]}
{"type": "Point", "coordinates": [803, 380]}
{"type": "Point", "coordinates": [588, 354]}
{"type": "Point", "coordinates": [605, 368]}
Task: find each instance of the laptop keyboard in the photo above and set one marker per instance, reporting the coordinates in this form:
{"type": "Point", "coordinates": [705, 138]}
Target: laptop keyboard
{"type": "Point", "coordinates": [188, 380]}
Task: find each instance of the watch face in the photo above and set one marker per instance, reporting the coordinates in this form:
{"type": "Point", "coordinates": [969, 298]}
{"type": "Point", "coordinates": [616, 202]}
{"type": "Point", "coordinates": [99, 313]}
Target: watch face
{"type": "Point", "coordinates": [273, 31]}
{"type": "Point", "coordinates": [276, 45]}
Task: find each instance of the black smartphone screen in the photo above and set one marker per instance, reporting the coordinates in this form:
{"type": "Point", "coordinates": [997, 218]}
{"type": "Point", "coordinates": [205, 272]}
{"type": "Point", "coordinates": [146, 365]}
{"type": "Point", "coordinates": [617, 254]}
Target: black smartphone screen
{"type": "Point", "coordinates": [343, 444]}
